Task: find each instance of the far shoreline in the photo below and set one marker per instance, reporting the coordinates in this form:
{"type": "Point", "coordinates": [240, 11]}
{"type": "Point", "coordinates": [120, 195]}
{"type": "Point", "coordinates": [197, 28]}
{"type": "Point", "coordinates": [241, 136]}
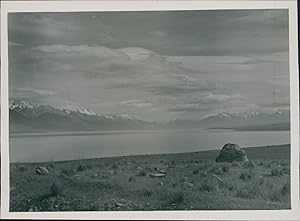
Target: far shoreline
{"type": "Point", "coordinates": [125, 131]}
{"type": "Point", "coordinates": [268, 152]}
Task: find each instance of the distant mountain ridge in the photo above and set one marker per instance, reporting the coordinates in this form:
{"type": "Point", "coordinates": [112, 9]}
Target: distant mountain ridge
{"type": "Point", "coordinates": [279, 120]}
{"type": "Point", "coordinates": [26, 117]}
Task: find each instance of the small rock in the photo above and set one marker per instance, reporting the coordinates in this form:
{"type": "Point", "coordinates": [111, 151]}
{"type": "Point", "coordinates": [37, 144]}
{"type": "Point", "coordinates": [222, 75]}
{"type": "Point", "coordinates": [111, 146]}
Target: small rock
{"type": "Point", "coordinates": [218, 178]}
{"type": "Point", "coordinates": [42, 171]}
{"type": "Point", "coordinates": [139, 168]}
{"type": "Point", "coordinates": [161, 170]}
{"type": "Point", "coordinates": [187, 184]}
{"type": "Point", "coordinates": [161, 183]}
{"type": "Point", "coordinates": [119, 204]}
{"type": "Point", "coordinates": [203, 174]}
{"type": "Point", "coordinates": [157, 174]}
{"type": "Point", "coordinates": [77, 177]}
{"type": "Point", "coordinates": [30, 209]}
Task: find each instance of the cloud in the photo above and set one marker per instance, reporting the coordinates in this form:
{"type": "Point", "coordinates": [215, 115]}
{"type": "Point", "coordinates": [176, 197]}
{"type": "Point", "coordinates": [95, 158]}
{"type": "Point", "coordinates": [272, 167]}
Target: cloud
{"type": "Point", "coordinates": [175, 90]}
{"type": "Point", "coordinates": [263, 17]}
{"type": "Point", "coordinates": [193, 62]}
{"type": "Point", "coordinates": [221, 98]}
{"type": "Point", "coordinates": [98, 51]}
{"type": "Point", "coordinates": [209, 102]}
{"type": "Point", "coordinates": [189, 108]}
{"type": "Point", "coordinates": [279, 79]}
{"type": "Point", "coordinates": [159, 33]}
{"type": "Point", "coordinates": [276, 104]}
{"type": "Point", "coordinates": [45, 24]}
{"type": "Point", "coordinates": [36, 91]}
{"type": "Point", "coordinates": [173, 33]}
{"type": "Point", "coordinates": [15, 44]}
{"type": "Point", "coordinates": [137, 103]}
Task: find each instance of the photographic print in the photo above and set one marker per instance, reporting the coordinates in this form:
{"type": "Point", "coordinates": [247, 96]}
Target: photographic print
{"type": "Point", "coordinates": [149, 110]}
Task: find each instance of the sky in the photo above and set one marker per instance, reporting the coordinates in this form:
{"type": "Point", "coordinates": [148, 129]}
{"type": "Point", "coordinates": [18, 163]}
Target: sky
{"type": "Point", "coordinates": [157, 66]}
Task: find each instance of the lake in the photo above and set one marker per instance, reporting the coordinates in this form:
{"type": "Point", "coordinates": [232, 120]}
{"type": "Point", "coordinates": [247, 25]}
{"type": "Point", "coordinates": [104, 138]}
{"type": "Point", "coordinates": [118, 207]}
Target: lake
{"type": "Point", "coordinates": [81, 145]}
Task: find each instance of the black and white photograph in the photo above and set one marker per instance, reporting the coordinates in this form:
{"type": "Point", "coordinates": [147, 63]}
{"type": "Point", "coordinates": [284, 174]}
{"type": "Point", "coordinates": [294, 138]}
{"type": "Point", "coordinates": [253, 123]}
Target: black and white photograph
{"type": "Point", "coordinates": [155, 110]}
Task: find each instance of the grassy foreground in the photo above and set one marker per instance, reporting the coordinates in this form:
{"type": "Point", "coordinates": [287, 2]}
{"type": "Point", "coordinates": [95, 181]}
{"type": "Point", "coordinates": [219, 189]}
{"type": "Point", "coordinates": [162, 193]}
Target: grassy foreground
{"type": "Point", "coordinates": [193, 181]}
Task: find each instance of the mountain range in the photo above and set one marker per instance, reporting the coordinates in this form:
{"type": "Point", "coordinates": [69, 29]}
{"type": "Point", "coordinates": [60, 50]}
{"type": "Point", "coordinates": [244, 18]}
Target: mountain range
{"type": "Point", "coordinates": [26, 117]}
{"type": "Point", "coordinates": [279, 120]}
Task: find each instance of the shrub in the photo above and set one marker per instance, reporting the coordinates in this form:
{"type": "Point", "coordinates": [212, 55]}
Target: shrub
{"type": "Point", "coordinates": [230, 187]}
{"type": "Point", "coordinates": [99, 165]}
{"type": "Point", "coordinates": [81, 167]}
{"type": "Point", "coordinates": [114, 166]}
{"type": "Point", "coordinates": [217, 170]}
{"type": "Point", "coordinates": [205, 165]}
{"type": "Point", "coordinates": [196, 171]}
{"type": "Point", "coordinates": [235, 164]}
{"type": "Point", "coordinates": [247, 175]}
{"type": "Point", "coordinates": [131, 179]}
{"type": "Point", "coordinates": [176, 197]}
{"type": "Point", "coordinates": [286, 189]}
{"type": "Point", "coordinates": [147, 193]}
{"type": "Point", "coordinates": [67, 172]}
{"type": "Point", "coordinates": [51, 166]}
{"type": "Point", "coordinates": [276, 171]}
{"type": "Point", "coordinates": [251, 190]}
{"type": "Point", "coordinates": [209, 184]}
{"type": "Point", "coordinates": [269, 184]}
{"type": "Point", "coordinates": [249, 164]}
{"type": "Point", "coordinates": [267, 165]}
{"type": "Point", "coordinates": [243, 193]}
{"type": "Point", "coordinates": [225, 168]}
{"type": "Point", "coordinates": [206, 187]}
{"type": "Point", "coordinates": [142, 173]}
{"type": "Point", "coordinates": [22, 168]}
{"type": "Point", "coordinates": [260, 164]}
{"type": "Point", "coordinates": [56, 189]}
{"type": "Point", "coordinates": [275, 195]}
{"type": "Point", "coordinates": [286, 171]}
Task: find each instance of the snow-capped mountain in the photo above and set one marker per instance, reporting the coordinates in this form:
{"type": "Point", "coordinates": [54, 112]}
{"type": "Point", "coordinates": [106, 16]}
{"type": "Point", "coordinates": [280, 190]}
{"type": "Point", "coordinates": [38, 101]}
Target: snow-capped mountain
{"type": "Point", "coordinates": [83, 111]}
{"type": "Point", "coordinates": [248, 115]}
{"type": "Point", "coordinates": [19, 105]}
{"type": "Point", "coordinates": [119, 116]}
{"type": "Point", "coordinates": [279, 120]}
{"type": "Point", "coordinates": [27, 117]}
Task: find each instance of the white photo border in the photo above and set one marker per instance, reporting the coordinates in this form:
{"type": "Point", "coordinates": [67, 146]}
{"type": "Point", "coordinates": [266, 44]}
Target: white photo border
{"type": "Point", "coordinates": [81, 6]}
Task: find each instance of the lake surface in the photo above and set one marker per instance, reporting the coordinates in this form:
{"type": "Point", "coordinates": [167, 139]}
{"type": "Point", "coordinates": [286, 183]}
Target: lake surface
{"type": "Point", "coordinates": [81, 145]}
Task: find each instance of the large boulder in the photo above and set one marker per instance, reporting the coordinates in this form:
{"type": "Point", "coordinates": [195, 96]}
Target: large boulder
{"type": "Point", "coordinates": [232, 152]}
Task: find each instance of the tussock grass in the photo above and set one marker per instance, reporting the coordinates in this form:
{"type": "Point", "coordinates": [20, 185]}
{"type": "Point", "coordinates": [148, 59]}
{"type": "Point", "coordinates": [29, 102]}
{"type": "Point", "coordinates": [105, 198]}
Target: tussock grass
{"type": "Point", "coordinates": [56, 189]}
{"type": "Point", "coordinates": [117, 184]}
